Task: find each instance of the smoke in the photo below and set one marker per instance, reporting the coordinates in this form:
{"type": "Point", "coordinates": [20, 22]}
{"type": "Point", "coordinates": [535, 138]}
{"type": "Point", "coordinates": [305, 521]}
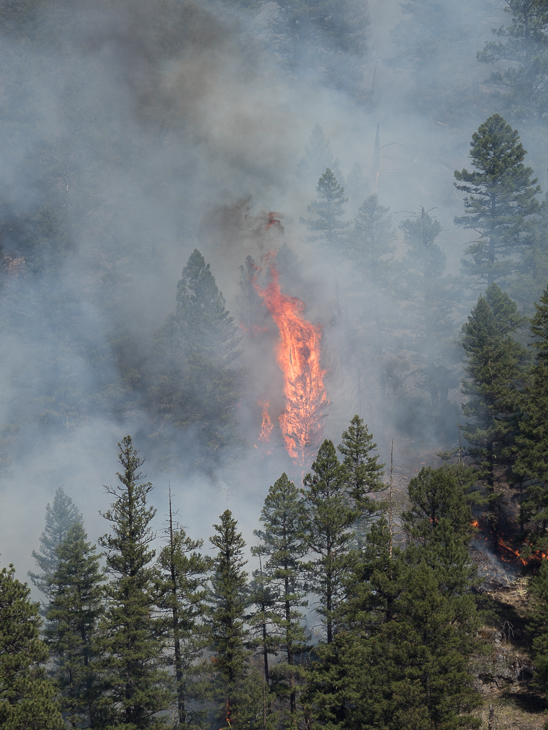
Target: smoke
{"type": "Point", "coordinates": [134, 132]}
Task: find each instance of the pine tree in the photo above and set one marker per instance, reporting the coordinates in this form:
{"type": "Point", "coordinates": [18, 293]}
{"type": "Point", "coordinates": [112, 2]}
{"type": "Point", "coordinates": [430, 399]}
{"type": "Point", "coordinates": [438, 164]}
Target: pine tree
{"type": "Point", "coordinates": [419, 661]}
{"type": "Point", "coordinates": [183, 575]}
{"type": "Point", "coordinates": [60, 517]}
{"type": "Point", "coordinates": [339, 682]}
{"type": "Point", "coordinates": [428, 39]}
{"type": "Point", "coordinates": [225, 618]}
{"type": "Point", "coordinates": [71, 627]}
{"type": "Point", "coordinates": [283, 543]}
{"type": "Point", "coordinates": [364, 472]}
{"type": "Point", "coordinates": [439, 494]}
{"type": "Point", "coordinates": [330, 520]}
{"type": "Point", "coordinates": [27, 696]}
{"type": "Point", "coordinates": [494, 376]}
{"type": "Point", "coordinates": [327, 210]}
{"type": "Point", "coordinates": [325, 38]}
{"type": "Point", "coordinates": [522, 83]}
{"type": "Point", "coordinates": [318, 156]}
{"type": "Point", "coordinates": [370, 246]}
{"type": "Point", "coordinates": [430, 296]}
{"type": "Point", "coordinates": [500, 203]}
{"type": "Point", "coordinates": [531, 465]}
{"type": "Point", "coordinates": [130, 641]}
{"type": "Point", "coordinates": [198, 387]}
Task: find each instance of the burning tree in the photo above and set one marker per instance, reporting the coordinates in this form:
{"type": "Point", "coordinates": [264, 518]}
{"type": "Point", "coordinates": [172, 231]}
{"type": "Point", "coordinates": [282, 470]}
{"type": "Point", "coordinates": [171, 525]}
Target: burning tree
{"type": "Point", "coordinates": [298, 355]}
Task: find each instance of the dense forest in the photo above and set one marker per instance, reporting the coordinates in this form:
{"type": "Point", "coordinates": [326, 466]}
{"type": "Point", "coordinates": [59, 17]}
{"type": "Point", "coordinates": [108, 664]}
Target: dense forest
{"type": "Point", "coordinates": [298, 251]}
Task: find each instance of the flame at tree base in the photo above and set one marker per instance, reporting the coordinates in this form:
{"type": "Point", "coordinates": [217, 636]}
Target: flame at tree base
{"type": "Point", "coordinates": [298, 355]}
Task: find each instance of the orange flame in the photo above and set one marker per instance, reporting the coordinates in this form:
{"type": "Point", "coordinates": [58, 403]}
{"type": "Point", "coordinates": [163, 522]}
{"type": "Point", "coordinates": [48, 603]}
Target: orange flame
{"type": "Point", "coordinates": [298, 355]}
{"type": "Point", "coordinates": [537, 555]}
{"type": "Point", "coordinates": [266, 426]}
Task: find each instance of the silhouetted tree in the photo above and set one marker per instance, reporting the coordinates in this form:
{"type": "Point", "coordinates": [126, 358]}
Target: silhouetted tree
{"type": "Point", "coordinates": [60, 517]}
{"type": "Point", "coordinates": [327, 209]}
{"type": "Point", "coordinates": [500, 203]}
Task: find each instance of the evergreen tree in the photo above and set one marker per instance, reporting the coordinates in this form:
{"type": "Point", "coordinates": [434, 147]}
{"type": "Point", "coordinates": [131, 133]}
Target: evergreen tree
{"type": "Point", "coordinates": [327, 210]}
{"type": "Point", "coordinates": [71, 627]}
{"type": "Point", "coordinates": [283, 543]}
{"type": "Point", "coordinates": [500, 203]}
{"type": "Point", "coordinates": [183, 576]}
{"type": "Point", "coordinates": [440, 494]}
{"type": "Point", "coordinates": [364, 471]}
{"type": "Point", "coordinates": [430, 297]}
{"type": "Point", "coordinates": [429, 37]}
{"type": "Point", "coordinates": [494, 376]}
{"type": "Point", "coordinates": [532, 463]}
{"type": "Point", "coordinates": [419, 674]}
{"type": "Point", "coordinates": [339, 682]}
{"type": "Point", "coordinates": [198, 387]}
{"type": "Point", "coordinates": [370, 246]}
{"type": "Point", "coordinates": [330, 519]}
{"type": "Point", "coordinates": [324, 38]}
{"type": "Point", "coordinates": [135, 683]}
{"type": "Point", "coordinates": [522, 83]}
{"type": "Point", "coordinates": [225, 618]}
{"type": "Point", "coordinates": [318, 156]}
{"type": "Point", "coordinates": [27, 697]}
{"type": "Point", "coordinates": [60, 517]}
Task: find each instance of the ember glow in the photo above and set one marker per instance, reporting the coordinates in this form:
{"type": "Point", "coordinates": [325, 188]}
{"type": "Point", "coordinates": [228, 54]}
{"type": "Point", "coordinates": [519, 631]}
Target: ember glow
{"type": "Point", "coordinates": [298, 355]}
{"type": "Point", "coordinates": [266, 425]}
{"type": "Point", "coordinates": [505, 546]}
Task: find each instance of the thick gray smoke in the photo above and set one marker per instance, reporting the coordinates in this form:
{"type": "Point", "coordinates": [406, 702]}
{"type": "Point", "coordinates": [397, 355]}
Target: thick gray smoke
{"type": "Point", "coordinates": [133, 133]}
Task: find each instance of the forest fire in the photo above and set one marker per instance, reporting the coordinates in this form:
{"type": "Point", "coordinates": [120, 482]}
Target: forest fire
{"type": "Point", "coordinates": [524, 560]}
{"type": "Point", "coordinates": [266, 425]}
{"type": "Point", "coordinates": [298, 355]}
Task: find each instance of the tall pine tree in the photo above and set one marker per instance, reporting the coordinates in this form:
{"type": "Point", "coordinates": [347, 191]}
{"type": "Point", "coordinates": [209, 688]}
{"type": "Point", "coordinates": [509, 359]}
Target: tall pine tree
{"type": "Point", "coordinates": [225, 619]}
{"type": "Point", "coordinates": [76, 604]}
{"type": "Point", "coordinates": [60, 517]}
{"type": "Point", "coordinates": [135, 682]}
{"type": "Point", "coordinates": [500, 203]}
{"type": "Point", "coordinates": [283, 544]}
{"type": "Point", "coordinates": [494, 375]}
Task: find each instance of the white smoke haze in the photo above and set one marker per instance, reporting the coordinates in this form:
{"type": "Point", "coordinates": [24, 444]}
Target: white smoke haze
{"type": "Point", "coordinates": [151, 129]}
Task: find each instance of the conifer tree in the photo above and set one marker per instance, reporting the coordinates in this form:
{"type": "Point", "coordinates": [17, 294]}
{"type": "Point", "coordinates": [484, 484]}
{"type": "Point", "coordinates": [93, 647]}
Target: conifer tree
{"type": "Point", "coordinates": [436, 494]}
{"type": "Point", "coordinates": [27, 696]}
{"type": "Point", "coordinates": [364, 471]}
{"type": "Point", "coordinates": [532, 457]}
{"type": "Point", "coordinates": [430, 296]}
{"type": "Point", "coordinates": [225, 618]}
{"type": "Point", "coordinates": [197, 387]}
{"type": "Point", "coordinates": [136, 684]}
{"type": "Point", "coordinates": [318, 157]}
{"type": "Point", "coordinates": [75, 607]}
{"type": "Point", "coordinates": [330, 520]}
{"type": "Point", "coordinates": [284, 545]}
{"type": "Point", "coordinates": [522, 83]}
{"type": "Point", "coordinates": [370, 246]}
{"type": "Point", "coordinates": [60, 517]}
{"type": "Point", "coordinates": [494, 375]}
{"type": "Point", "coordinates": [419, 663]}
{"type": "Point", "coordinates": [327, 210]}
{"type": "Point", "coordinates": [500, 203]}
{"type": "Point", "coordinates": [183, 576]}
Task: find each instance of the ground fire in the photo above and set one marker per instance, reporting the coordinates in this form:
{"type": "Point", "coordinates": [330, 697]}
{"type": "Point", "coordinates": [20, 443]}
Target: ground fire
{"type": "Point", "coordinates": [298, 355]}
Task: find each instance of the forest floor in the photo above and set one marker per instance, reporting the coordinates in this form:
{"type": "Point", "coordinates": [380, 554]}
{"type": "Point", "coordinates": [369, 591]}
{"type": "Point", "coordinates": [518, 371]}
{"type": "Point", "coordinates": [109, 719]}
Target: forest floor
{"type": "Point", "coordinates": [505, 672]}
